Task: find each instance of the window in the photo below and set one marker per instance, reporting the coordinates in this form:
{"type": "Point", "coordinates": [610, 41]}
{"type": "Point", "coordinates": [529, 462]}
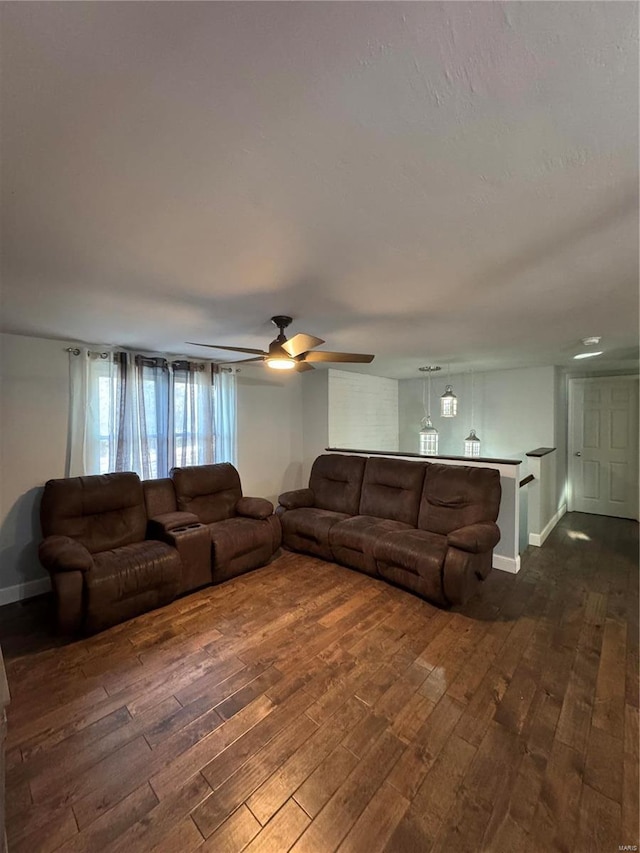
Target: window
{"type": "Point", "coordinates": [146, 414]}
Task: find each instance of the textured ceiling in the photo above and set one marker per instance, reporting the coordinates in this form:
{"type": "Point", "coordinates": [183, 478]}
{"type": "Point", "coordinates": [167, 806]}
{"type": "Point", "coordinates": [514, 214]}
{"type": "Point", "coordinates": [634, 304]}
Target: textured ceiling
{"type": "Point", "coordinates": [431, 182]}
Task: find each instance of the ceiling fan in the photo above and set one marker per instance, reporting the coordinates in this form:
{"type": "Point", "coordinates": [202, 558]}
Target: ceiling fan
{"type": "Point", "coordinates": [294, 354]}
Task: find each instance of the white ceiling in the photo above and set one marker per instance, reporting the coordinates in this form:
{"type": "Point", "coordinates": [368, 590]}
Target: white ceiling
{"type": "Point", "coordinates": [431, 182]}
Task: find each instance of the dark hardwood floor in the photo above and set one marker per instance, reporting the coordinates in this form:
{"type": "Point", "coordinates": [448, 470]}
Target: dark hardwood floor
{"type": "Point", "coordinates": [309, 707]}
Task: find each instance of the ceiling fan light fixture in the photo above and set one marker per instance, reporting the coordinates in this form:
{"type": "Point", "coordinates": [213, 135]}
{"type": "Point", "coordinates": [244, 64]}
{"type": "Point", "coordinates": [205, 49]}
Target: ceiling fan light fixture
{"type": "Point", "coordinates": [295, 353]}
{"type": "Point", "coordinates": [281, 363]}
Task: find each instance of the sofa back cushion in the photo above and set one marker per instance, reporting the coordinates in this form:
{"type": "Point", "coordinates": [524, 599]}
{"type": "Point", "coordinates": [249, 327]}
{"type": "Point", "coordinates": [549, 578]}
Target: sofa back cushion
{"type": "Point", "coordinates": [159, 496]}
{"type": "Point", "coordinates": [392, 489]}
{"type": "Point", "coordinates": [336, 482]}
{"type": "Point", "coordinates": [209, 491]}
{"type": "Point", "coordinates": [455, 496]}
{"type": "Point", "coordinates": [102, 511]}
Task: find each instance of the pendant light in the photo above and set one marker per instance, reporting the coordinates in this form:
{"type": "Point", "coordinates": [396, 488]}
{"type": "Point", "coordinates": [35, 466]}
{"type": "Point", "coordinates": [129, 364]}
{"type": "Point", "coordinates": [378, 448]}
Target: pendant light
{"type": "Point", "coordinates": [472, 442]}
{"type": "Point", "coordinates": [428, 433]}
{"type": "Point", "coordinates": [448, 401]}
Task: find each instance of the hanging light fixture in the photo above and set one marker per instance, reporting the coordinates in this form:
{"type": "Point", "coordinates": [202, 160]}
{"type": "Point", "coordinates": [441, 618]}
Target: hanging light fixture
{"type": "Point", "coordinates": [428, 433]}
{"type": "Point", "coordinates": [448, 401]}
{"type": "Point", "coordinates": [428, 438]}
{"type": "Point", "coordinates": [472, 442]}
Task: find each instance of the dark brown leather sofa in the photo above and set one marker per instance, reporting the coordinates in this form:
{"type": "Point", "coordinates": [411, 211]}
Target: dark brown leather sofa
{"type": "Point", "coordinates": [117, 547]}
{"type": "Point", "coordinates": [427, 527]}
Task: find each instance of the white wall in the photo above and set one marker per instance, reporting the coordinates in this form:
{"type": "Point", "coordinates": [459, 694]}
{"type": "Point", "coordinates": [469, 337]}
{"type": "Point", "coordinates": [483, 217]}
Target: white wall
{"type": "Point", "coordinates": [363, 411]}
{"type": "Point", "coordinates": [514, 412]}
{"type": "Point", "coordinates": [269, 432]}
{"type": "Point", "coordinates": [315, 418]}
{"type": "Point", "coordinates": [544, 511]}
{"type": "Point", "coordinates": [561, 438]}
{"type": "Point", "coordinates": [34, 394]}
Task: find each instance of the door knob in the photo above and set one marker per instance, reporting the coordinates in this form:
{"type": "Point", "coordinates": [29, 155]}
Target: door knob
{"type": "Point", "coordinates": [577, 453]}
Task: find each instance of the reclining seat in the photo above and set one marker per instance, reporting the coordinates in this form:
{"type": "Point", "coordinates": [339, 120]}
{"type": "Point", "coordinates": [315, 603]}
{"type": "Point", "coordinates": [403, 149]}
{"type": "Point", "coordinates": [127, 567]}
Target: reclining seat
{"type": "Point", "coordinates": [244, 531]}
{"type": "Point", "coordinates": [389, 501]}
{"type": "Point", "coordinates": [103, 571]}
{"type": "Point", "coordinates": [449, 555]}
{"type": "Point", "coordinates": [307, 515]}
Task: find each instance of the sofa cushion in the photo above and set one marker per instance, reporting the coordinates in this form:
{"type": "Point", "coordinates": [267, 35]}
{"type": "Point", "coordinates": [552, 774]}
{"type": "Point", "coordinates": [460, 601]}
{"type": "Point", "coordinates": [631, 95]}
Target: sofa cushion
{"type": "Point", "coordinates": [457, 496]}
{"type": "Point", "coordinates": [159, 496]}
{"type": "Point", "coordinates": [391, 488]}
{"type": "Point", "coordinates": [101, 511]}
{"type": "Point", "coordinates": [307, 530]}
{"type": "Point", "coordinates": [413, 559]}
{"type": "Point", "coordinates": [239, 544]}
{"type": "Point", "coordinates": [209, 491]}
{"type": "Point", "coordinates": [352, 541]}
{"type": "Point", "coordinates": [336, 482]}
{"type": "Point", "coordinates": [129, 581]}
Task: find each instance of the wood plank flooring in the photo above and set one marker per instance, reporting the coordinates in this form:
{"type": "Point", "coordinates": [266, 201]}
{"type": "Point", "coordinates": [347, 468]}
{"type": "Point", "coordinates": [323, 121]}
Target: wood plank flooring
{"type": "Point", "coordinates": [308, 707]}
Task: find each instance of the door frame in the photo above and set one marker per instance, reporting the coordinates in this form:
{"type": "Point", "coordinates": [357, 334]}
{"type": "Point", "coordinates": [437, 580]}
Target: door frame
{"type": "Point", "coordinates": [571, 410]}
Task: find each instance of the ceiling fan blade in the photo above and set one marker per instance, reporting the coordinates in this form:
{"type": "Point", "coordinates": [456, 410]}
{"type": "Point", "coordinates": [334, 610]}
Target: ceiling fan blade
{"type": "Point", "coordinates": [321, 355]}
{"type": "Point", "coordinates": [231, 349]}
{"type": "Point", "coordinates": [301, 343]}
{"type": "Point", "coordinates": [301, 366]}
{"type": "Point", "coordinates": [246, 360]}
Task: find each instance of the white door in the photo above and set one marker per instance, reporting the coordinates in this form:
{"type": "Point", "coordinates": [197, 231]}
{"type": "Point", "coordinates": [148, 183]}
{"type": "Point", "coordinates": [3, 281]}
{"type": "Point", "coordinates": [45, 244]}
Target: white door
{"type": "Point", "coordinates": [603, 445]}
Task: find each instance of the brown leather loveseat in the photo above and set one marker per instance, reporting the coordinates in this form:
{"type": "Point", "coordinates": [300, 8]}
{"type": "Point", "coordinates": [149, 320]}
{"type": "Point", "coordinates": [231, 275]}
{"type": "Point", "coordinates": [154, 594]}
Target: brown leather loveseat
{"type": "Point", "coordinates": [116, 546]}
{"type": "Point", "coordinates": [427, 527]}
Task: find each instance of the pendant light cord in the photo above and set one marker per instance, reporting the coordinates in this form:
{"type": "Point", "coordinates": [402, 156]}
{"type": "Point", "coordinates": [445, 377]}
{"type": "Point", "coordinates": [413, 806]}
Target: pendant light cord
{"type": "Point", "coordinates": [472, 397]}
{"type": "Point", "coordinates": [425, 389]}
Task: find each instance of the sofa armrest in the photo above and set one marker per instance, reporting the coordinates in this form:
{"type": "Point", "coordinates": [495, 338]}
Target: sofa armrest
{"type": "Point", "coordinates": [297, 499]}
{"type": "Point", "coordinates": [259, 508]}
{"type": "Point", "coordinates": [63, 554]}
{"type": "Point", "coordinates": [160, 525]}
{"type": "Point", "coordinates": [475, 538]}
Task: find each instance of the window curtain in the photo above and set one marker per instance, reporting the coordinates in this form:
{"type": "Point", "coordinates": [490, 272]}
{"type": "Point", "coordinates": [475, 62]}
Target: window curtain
{"type": "Point", "coordinates": [225, 406]}
{"type": "Point", "coordinates": [138, 413]}
{"type": "Point", "coordinates": [90, 373]}
{"type": "Point", "coordinates": [193, 410]}
{"type": "Point", "coordinates": [139, 416]}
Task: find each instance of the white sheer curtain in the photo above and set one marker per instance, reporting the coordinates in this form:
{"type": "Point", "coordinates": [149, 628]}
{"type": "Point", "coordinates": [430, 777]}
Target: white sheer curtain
{"type": "Point", "coordinates": [192, 398]}
{"type": "Point", "coordinates": [91, 373]}
{"type": "Point", "coordinates": [225, 405]}
{"type": "Point", "coordinates": [140, 413]}
{"type": "Point", "coordinates": [139, 416]}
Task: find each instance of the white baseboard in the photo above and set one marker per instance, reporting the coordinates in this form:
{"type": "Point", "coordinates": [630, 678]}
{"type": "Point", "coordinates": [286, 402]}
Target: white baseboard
{"type": "Point", "coordinates": [506, 564]}
{"type": "Point", "coordinates": [537, 539]}
{"type": "Point", "coordinates": [28, 589]}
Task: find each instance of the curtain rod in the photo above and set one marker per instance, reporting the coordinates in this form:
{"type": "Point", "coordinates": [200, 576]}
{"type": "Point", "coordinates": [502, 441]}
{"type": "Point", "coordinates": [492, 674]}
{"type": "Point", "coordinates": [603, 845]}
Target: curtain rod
{"type": "Point", "coordinates": [76, 351]}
